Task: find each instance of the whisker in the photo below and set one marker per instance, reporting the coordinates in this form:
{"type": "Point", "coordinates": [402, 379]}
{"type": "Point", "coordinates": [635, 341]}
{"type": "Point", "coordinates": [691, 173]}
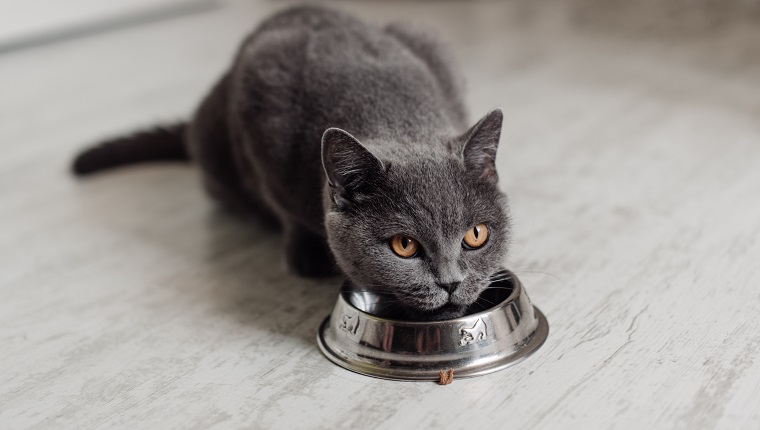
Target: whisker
{"type": "Point", "coordinates": [486, 300]}
{"type": "Point", "coordinates": [540, 273]}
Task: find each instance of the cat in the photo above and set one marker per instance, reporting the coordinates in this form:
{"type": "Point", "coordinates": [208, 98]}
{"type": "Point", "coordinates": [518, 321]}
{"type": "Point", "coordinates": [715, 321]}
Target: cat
{"type": "Point", "coordinates": [355, 139]}
{"type": "Point", "coordinates": [473, 334]}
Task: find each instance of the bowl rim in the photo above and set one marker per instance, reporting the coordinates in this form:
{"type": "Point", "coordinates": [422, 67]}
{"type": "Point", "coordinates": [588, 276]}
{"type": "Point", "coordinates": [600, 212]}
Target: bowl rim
{"type": "Point", "coordinates": [516, 291]}
{"type": "Point", "coordinates": [537, 340]}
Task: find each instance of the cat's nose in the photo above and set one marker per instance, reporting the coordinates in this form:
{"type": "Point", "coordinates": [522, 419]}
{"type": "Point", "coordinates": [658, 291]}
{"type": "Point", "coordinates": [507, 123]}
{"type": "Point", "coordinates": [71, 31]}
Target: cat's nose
{"type": "Point", "coordinates": [450, 286]}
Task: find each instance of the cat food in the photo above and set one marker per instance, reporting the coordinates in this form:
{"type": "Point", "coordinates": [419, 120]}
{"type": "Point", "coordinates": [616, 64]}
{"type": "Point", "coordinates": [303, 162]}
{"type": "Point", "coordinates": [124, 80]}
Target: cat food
{"type": "Point", "coordinates": [445, 377]}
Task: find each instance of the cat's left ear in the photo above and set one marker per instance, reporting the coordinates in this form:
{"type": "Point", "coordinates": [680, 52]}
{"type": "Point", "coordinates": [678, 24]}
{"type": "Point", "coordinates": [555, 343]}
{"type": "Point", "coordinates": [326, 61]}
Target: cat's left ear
{"type": "Point", "coordinates": [350, 167]}
{"type": "Point", "coordinates": [480, 145]}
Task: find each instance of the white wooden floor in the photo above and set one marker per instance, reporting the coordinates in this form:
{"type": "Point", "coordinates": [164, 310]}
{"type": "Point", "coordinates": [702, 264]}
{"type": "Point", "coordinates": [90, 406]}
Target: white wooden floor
{"type": "Point", "coordinates": [631, 153]}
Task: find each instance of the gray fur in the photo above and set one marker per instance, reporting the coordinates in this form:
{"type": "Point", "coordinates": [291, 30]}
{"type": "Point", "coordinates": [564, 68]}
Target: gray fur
{"type": "Point", "coordinates": [409, 165]}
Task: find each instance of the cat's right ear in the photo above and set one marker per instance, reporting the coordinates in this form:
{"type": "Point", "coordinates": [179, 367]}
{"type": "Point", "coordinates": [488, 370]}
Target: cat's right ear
{"type": "Point", "coordinates": [480, 145]}
{"type": "Point", "coordinates": [349, 166]}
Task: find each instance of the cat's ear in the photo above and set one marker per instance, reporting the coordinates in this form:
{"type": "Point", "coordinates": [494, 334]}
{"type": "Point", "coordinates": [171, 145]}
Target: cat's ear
{"type": "Point", "coordinates": [480, 145]}
{"type": "Point", "coordinates": [349, 166]}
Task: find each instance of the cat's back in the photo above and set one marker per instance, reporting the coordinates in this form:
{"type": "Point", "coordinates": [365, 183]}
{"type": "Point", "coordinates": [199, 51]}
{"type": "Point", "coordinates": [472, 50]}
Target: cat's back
{"type": "Point", "coordinates": [307, 69]}
{"type": "Point", "coordinates": [321, 67]}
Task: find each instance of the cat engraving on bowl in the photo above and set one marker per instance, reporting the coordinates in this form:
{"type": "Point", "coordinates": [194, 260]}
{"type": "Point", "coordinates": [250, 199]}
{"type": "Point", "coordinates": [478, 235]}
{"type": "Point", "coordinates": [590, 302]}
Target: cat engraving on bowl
{"type": "Point", "coordinates": [473, 334]}
{"type": "Point", "coordinates": [349, 323]}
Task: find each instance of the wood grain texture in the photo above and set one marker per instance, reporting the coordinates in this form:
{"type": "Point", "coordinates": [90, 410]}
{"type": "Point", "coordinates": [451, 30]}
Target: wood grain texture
{"type": "Point", "coordinates": [630, 153]}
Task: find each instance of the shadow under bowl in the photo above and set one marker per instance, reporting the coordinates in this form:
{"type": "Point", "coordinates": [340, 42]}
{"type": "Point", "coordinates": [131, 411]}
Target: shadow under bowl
{"type": "Point", "coordinates": [357, 338]}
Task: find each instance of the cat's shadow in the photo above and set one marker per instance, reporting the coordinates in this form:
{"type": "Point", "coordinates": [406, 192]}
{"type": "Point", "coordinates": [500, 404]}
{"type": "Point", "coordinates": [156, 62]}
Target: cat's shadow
{"type": "Point", "coordinates": [229, 264]}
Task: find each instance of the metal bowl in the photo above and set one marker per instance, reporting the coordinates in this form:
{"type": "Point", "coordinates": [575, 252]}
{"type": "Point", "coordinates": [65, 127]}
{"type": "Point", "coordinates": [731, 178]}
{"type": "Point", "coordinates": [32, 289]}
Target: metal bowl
{"type": "Point", "coordinates": [357, 338]}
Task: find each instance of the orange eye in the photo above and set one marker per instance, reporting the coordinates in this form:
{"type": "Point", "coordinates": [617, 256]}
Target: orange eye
{"type": "Point", "coordinates": [404, 246]}
{"type": "Point", "coordinates": [475, 237]}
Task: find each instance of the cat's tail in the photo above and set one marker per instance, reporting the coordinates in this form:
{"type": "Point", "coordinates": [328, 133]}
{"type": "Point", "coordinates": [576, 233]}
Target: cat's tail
{"type": "Point", "coordinates": [157, 144]}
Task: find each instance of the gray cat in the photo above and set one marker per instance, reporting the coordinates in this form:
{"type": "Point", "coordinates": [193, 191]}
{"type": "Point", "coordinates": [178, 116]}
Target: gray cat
{"type": "Point", "coordinates": [404, 202]}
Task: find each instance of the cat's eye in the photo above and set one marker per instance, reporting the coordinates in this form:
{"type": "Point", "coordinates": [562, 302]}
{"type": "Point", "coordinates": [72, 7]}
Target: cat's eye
{"type": "Point", "coordinates": [404, 246]}
{"type": "Point", "coordinates": [475, 237]}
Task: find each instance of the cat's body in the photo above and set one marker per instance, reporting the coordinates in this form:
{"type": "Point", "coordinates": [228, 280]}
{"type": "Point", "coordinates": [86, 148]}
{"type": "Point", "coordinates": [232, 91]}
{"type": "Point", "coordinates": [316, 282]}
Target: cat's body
{"type": "Point", "coordinates": [260, 139]}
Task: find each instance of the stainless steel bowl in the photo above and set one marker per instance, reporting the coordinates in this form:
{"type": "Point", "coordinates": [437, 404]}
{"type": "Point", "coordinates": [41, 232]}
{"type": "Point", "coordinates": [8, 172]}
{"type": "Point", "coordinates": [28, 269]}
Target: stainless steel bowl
{"type": "Point", "coordinates": [355, 337]}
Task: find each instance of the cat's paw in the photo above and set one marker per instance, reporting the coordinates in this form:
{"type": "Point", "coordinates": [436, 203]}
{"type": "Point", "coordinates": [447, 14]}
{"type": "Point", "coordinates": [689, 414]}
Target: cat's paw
{"type": "Point", "coordinates": [307, 254]}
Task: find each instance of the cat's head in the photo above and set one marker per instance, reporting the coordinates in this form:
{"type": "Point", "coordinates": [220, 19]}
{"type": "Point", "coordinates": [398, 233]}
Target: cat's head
{"type": "Point", "coordinates": [425, 223]}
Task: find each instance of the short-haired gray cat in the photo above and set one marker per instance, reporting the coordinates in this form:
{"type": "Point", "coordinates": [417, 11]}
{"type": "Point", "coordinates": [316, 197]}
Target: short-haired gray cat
{"type": "Point", "coordinates": [354, 138]}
